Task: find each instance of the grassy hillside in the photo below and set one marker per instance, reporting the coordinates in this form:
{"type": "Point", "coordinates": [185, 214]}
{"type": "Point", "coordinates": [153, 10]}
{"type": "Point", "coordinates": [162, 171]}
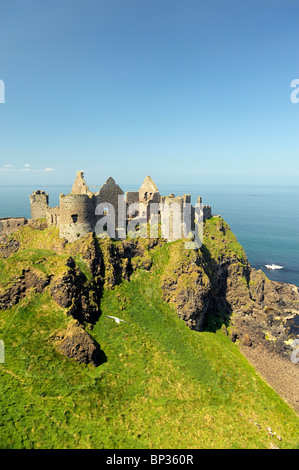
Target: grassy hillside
{"type": "Point", "coordinates": [161, 385]}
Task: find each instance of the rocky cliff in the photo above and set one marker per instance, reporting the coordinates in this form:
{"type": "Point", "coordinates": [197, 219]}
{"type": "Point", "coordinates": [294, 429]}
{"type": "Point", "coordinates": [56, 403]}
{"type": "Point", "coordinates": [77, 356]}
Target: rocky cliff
{"type": "Point", "coordinates": [216, 286]}
{"type": "Point", "coordinates": [211, 288]}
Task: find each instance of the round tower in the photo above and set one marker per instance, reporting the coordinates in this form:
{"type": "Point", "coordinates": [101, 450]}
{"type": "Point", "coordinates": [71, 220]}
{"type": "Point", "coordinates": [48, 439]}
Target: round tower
{"type": "Point", "coordinates": [39, 203]}
{"type": "Point", "coordinates": [77, 216]}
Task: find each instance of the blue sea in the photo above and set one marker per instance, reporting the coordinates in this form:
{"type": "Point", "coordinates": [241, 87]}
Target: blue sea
{"type": "Point", "coordinates": [265, 219]}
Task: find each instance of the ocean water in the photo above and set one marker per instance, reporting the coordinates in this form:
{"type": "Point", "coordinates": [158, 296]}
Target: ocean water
{"type": "Point", "coordinates": [265, 219]}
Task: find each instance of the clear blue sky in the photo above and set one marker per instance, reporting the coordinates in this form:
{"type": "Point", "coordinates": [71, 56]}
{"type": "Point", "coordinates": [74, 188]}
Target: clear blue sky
{"type": "Point", "coordinates": [188, 91]}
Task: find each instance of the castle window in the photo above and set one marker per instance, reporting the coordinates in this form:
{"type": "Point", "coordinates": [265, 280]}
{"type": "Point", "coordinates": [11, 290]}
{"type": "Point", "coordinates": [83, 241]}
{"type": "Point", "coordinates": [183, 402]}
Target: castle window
{"type": "Point", "coordinates": [74, 218]}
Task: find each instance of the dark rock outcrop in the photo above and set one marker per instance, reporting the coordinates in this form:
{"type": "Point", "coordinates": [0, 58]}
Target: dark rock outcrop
{"type": "Point", "coordinates": [186, 286]}
{"type": "Point", "coordinates": [217, 286]}
{"type": "Point", "coordinates": [29, 279]}
{"type": "Point", "coordinates": [266, 323]}
{"type": "Point", "coordinates": [77, 344]}
{"type": "Point", "coordinates": [8, 246]}
{"type": "Point", "coordinates": [73, 291]}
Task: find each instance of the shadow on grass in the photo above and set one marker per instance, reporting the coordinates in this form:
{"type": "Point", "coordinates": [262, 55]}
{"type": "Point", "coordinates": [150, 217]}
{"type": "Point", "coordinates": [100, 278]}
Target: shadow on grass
{"type": "Point", "coordinates": [100, 356]}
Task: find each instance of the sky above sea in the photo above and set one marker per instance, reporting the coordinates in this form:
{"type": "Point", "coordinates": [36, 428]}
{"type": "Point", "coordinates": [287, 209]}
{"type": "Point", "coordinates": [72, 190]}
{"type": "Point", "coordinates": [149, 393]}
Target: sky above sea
{"type": "Point", "coordinates": [196, 94]}
{"type": "Point", "coordinates": [189, 91]}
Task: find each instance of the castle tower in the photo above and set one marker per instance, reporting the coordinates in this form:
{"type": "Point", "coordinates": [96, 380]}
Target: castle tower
{"type": "Point", "coordinates": [39, 204]}
{"type": "Point", "coordinates": [80, 186]}
{"type": "Point", "coordinates": [76, 216]}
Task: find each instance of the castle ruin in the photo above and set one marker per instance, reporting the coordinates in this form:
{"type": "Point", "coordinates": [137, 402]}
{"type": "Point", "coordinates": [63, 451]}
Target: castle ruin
{"type": "Point", "coordinates": [111, 210]}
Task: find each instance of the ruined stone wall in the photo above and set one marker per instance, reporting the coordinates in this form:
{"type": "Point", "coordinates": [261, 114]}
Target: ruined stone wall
{"type": "Point", "coordinates": [187, 198]}
{"type": "Point", "coordinates": [148, 190]}
{"type": "Point", "coordinates": [207, 212]}
{"type": "Point", "coordinates": [112, 198]}
{"type": "Point", "coordinates": [53, 216]}
{"type": "Point", "coordinates": [39, 203]}
{"type": "Point", "coordinates": [172, 217]}
{"type": "Point", "coordinates": [132, 197]}
{"type": "Point", "coordinates": [10, 225]}
{"type": "Point", "coordinates": [76, 216]}
{"type": "Point", "coordinates": [79, 212]}
{"type": "Point", "coordinates": [181, 215]}
{"type": "Point", "coordinates": [80, 186]}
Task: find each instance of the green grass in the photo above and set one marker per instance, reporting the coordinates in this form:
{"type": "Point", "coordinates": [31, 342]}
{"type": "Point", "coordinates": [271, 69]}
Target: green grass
{"type": "Point", "coordinates": [162, 385]}
{"type": "Point", "coordinates": [221, 241]}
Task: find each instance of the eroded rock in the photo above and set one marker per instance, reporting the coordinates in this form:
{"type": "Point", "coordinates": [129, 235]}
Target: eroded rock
{"type": "Point", "coordinates": [29, 279]}
{"type": "Point", "coordinates": [73, 291]}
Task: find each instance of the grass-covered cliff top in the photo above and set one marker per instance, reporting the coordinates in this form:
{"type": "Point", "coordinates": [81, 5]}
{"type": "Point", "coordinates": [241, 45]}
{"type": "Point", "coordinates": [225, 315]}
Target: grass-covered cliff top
{"type": "Point", "coordinates": [220, 241]}
{"type": "Point", "coordinates": [162, 385]}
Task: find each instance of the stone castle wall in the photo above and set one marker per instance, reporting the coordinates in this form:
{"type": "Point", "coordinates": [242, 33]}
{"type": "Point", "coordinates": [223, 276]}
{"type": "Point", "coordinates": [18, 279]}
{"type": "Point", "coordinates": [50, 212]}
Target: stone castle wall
{"type": "Point", "coordinates": [207, 212]}
{"type": "Point", "coordinates": [76, 215]}
{"type": "Point", "coordinates": [39, 202]}
{"type": "Point", "coordinates": [132, 197]}
{"type": "Point", "coordinates": [10, 225]}
{"type": "Point", "coordinates": [53, 216]}
{"type": "Point", "coordinates": [173, 216]}
{"type": "Point", "coordinates": [108, 200]}
{"type": "Point", "coordinates": [80, 186]}
{"type": "Point", "coordinates": [82, 211]}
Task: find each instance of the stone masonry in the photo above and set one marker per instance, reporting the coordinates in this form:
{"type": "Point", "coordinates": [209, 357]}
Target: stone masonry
{"type": "Point", "coordinates": [82, 211]}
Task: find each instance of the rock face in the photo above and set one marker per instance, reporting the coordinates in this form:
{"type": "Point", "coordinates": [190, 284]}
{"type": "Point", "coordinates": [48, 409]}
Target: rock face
{"type": "Point", "coordinates": [211, 287]}
{"type": "Point", "coordinates": [186, 286]}
{"type": "Point", "coordinates": [266, 320]}
{"type": "Point", "coordinates": [71, 290]}
{"type": "Point", "coordinates": [77, 344]}
{"type": "Point", "coordinates": [216, 286]}
{"type": "Point", "coordinates": [8, 246]}
{"type": "Point", "coordinates": [29, 279]}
